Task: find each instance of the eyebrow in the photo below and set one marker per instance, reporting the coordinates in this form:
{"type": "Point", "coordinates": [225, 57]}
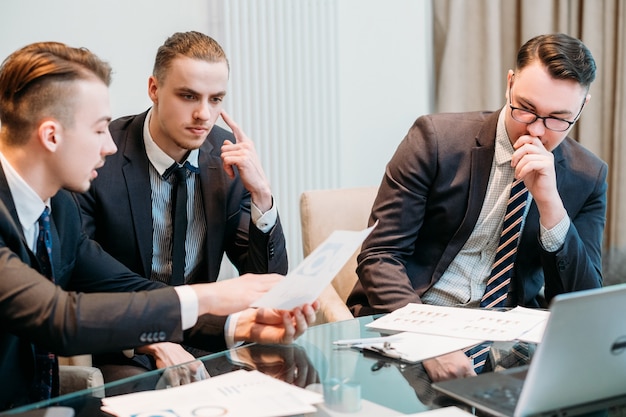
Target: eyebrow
{"type": "Point", "coordinates": [529, 104]}
{"type": "Point", "coordinates": [194, 92]}
{"type": "Point", "coordinates": [106, 119]}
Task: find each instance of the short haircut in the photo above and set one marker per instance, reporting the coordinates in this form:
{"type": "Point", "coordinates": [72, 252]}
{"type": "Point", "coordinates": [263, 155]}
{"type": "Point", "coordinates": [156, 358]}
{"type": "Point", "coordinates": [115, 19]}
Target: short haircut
{"type": "Point", "coordinates": [565, 57]}
{"type": "Point", "coordinates": [192, 44]}
{"type": "Point", "coordinates": [36, 82]}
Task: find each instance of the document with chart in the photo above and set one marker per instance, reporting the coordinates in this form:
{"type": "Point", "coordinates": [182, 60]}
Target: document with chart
{"type": "Point", "coordinates": [305, 283]}
{"type": "Point", "coordinates": [479, 323]}
{"type": "Point", "coordinates": [235, 394]}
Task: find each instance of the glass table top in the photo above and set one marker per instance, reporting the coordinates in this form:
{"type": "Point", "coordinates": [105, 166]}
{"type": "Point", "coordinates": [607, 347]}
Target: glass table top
{"type": "Point", "coordinates": [353, 382]}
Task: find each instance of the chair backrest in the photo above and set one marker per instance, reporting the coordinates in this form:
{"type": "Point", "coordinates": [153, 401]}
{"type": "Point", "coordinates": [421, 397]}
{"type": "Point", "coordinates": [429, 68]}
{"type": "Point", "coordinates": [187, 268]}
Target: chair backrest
{"type": "Point", "coordinates": [321, 213]}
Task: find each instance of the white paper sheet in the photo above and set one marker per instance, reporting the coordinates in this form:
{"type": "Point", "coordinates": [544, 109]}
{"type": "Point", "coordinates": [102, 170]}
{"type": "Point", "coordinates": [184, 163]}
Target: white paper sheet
{"type": "Point", "coordinates": [477, 324]}
{"type": "Point", "coordinates": [307, 281]}
{"type": "Point", "coordinates": [415, 347]}
{"type": "Point", "coordinates": [235, 394]}
{"type": "Point", "coordinates": [535, 334]}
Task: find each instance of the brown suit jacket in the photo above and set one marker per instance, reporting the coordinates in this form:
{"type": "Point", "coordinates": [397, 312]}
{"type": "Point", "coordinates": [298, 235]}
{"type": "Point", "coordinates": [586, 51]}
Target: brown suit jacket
{"type": "Point", "coordinates": [429, 201]}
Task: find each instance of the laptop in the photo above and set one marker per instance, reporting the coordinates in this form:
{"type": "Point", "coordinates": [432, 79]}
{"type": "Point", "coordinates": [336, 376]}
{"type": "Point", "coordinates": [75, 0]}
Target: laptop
{"type": "Point", "coordinates": [579, 367]}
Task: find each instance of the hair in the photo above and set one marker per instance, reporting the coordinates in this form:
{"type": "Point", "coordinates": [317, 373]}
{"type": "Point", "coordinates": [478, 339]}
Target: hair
{"type": "Point", "coordinates": [565, 57]}
{"type": "Point", "coordinates": [192, 44]}
{"type": "Point", "coordinates": [36, 81]}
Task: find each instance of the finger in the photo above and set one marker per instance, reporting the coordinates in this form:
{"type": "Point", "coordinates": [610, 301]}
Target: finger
{"type": "Point", "coordinates": [227, 166]}
{"type": "Point", "coordinates": [529, 164]}
{"type": "Point", "coordinates": [200, 373]}
{"type": "Point", "coordinates": [289, 328]}
{"type": "Point", "coordinates": [240, 136]}
{"type": "Point", "coordinates": [523, 153]}
{"type": "Point", "coordinates": [173, 378]}
{"type": "Point", "coordinates": [301, 323]}
{"type": "Point", "coordinates": [523, 140]}
{"type": "Point", "coordinates": [185, 375]}
{"type": "Point", "coordinates": [309, 314]}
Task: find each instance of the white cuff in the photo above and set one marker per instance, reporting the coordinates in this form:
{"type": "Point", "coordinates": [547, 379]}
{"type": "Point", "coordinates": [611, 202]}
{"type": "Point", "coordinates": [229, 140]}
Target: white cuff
{"type": "Point", "coordinates": [229, 330]}
{"type": "Point", "coordinates": [264, 221]}
{"type": "Point", "coordinates": [188, 306]}
{"type": "Point", "coordinates": [553, 239]}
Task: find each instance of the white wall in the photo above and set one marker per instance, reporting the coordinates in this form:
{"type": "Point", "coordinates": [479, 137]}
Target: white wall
{"type": "Point", "coordinates": [380, 51]}
{"type": "Point", "coordinates": [126, 33]}
{"type": "Point", "coordinates": [385, 81]}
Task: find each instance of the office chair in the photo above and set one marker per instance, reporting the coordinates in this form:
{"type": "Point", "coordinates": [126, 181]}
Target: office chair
{"type": "Point", "coordinates": [322, 212]}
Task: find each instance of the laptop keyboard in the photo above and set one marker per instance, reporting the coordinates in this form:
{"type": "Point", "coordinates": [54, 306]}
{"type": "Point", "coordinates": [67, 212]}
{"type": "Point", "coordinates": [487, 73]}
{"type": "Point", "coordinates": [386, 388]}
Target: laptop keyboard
{"type": "Point", "coordinates": [501, 397]}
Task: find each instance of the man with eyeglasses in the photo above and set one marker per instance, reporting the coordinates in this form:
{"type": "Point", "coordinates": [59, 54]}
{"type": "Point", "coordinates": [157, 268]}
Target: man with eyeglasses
{"type": "Point", "coordinates": [442, 201]}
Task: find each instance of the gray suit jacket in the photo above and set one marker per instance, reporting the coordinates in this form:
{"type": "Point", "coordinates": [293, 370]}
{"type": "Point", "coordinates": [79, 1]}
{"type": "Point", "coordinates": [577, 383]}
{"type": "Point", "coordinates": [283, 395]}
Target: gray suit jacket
{"type": "Point", "coordinates": [34, 310]}
{"type": "Point", "coordinates": [429, 201]}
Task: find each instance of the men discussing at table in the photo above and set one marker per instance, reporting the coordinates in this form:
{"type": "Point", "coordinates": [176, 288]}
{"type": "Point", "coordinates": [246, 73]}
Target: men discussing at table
{"type": "Point", "coordinates": [131, 208]}
{"type": "Point", "coordinates": [443, 198]}
{"type": "Point", "coordinates": [60, 293]}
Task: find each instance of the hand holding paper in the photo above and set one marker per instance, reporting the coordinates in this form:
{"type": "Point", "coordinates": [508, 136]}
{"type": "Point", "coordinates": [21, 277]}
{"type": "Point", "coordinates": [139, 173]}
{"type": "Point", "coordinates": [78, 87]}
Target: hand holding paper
{"type": "Point", "coordinates": [308, 280]}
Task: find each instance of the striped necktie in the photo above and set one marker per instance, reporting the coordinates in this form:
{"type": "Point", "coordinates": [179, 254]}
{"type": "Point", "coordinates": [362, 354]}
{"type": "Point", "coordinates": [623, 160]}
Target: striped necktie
{"type": "Point", "coordinates": [498, 283]}
{"type": "Point", "coordinates": [500, 278]}
{"type": "Point", "coordinates": [46, 383]}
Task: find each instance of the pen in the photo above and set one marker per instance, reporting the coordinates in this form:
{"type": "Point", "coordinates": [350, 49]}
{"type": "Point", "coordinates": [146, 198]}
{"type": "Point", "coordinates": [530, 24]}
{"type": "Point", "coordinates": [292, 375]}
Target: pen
{"type": "Point", "coordinates": [352, 342]}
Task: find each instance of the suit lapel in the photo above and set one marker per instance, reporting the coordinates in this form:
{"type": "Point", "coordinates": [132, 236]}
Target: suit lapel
{"type": "Point", "coordinates": [213, 202]}
{"type": "Point", "coordinates": [481, 160]}
{"type": "Point", "coordinates": [6, 199]}
{"type": "Point", "coordinates": [137, 178]}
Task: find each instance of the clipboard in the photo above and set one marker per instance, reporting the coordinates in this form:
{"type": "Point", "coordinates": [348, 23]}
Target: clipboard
{"type": "Point", "coordinates": [409, 347]}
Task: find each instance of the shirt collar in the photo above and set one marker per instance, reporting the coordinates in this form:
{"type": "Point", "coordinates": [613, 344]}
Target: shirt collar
{"type": "Point", "coordinates": [28, 204]}
{"type": "Point", "coordinates": [503, 149]}
{"type": "Point", "coordinates": [159, 159]}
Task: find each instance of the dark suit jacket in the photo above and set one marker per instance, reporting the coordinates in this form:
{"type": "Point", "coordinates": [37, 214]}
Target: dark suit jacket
{"type": "Point", "coordinates": [34, 310]}
{"type": "Point", "coordinates": [430, 199]}
{"type": "Point", "coordinates": [117, 214]}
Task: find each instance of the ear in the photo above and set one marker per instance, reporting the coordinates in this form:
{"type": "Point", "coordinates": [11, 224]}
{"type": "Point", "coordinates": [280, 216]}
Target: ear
{"type": "Point", "coordinates": [153, 87]}
{"type": "Point", "coordinates": [49, 134]}
{"type": "Point", "coordinates": [509, 83]}
{"type": "Point", "coordinates": [587, 99]}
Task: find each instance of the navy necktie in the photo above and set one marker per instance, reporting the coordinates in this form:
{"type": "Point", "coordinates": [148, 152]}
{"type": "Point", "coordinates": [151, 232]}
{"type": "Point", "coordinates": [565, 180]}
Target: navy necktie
{"type": "Point", "coordinates": [179, 219]}
{"type": "Point", "coordinates": [46, 384]}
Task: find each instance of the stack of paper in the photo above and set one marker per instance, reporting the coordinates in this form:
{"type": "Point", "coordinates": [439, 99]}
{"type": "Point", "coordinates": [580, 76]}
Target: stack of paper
{"type": "Point", "coordinates": [239, 393]}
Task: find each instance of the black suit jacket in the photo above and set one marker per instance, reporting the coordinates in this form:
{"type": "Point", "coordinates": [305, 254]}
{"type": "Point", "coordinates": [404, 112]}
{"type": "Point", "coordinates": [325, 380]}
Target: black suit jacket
{"type": "Point", "coordinates": [117, 208]}
{"type": "Point", "coordinates": [429, 201]}
{"type": "Point", "coordinates": [117, 214]}
{"type": "Point", "coordinates": [34, 310]}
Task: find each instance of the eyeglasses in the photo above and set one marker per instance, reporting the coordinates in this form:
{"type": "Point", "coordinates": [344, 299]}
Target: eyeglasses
{"type": "Point", "coordinates": [553, 123]}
